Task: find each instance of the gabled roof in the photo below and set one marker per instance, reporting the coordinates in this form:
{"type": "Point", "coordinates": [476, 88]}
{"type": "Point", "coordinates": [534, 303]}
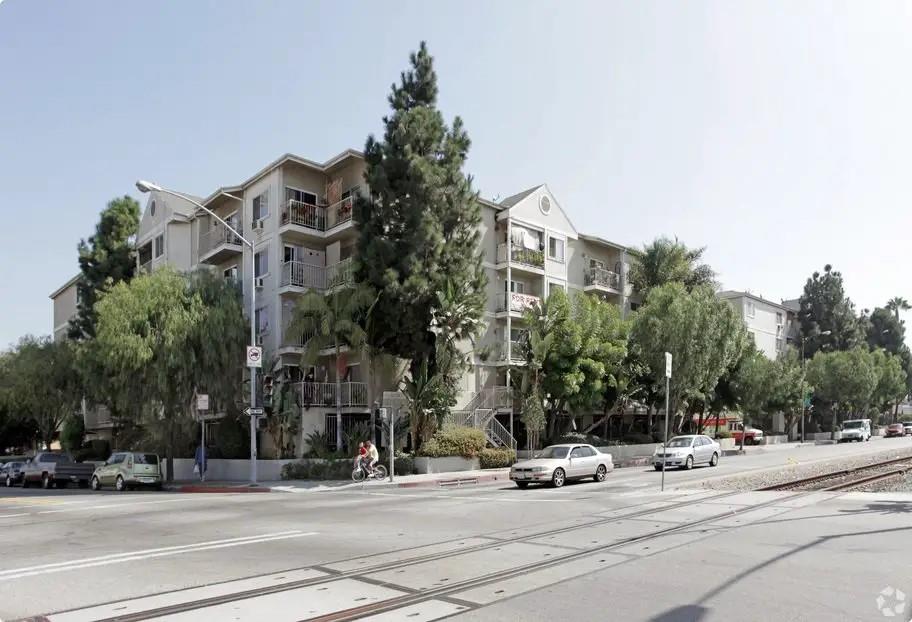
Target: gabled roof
{"type": "Point", "coordinates": [729, 294]}
{"type": "Point", "coordinates": [597, 240]}
{"type": "Point", "coordinates": [288, 157]}
{"type": "Point", "coordinates": [516, 198]}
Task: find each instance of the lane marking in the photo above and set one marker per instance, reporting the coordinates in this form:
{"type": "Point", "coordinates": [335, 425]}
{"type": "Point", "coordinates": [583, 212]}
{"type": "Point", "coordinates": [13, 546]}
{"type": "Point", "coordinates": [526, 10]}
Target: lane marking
{"type": "Point", "coordinates": [459, 498]}
{"type": "Point", "coordinates": [117, 558]}
{"type": "Point", "coordinates": [12, 515]}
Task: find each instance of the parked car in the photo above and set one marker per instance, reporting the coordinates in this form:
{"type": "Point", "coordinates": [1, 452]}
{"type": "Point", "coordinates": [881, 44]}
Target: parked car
{"type": "Point", "coordinates": [558, 463]}
{"type": "Point", "coordinates": [752, 436]}
{"type": "Point", "coordinates": [686, 451]}
{"type": "Point", "coordinates": [907, 427]}
{"type": "Point", "coordinates": [856, 430]}
{"type": "Point", "coordinates": [11, 473]}
{"type": "Point", "coordinates": [895, 429]}
{"type": "Point", "coordinates": [56, 468]}
{"type": "Point", "coordinates": [128, 469]}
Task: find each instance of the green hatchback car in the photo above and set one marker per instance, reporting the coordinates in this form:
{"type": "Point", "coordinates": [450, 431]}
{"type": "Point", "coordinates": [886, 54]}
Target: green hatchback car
{"type": "Point", "coordinates": [128, 469]}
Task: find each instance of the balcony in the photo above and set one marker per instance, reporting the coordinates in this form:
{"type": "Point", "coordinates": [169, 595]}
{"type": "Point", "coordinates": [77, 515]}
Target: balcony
{"type": "Point", "coordinates": [601, 279]}
{"type": "Point", "coordinates": [218, 244]}
{"type": "Point", "coordinates": [350, 394]}
{"type": "Point", "coordinates": [298, 276]}
{"type": "Point", "coordinates": [499, 354]}
{"type": "Point", "coordinates": [317, 219]}
{"type": "Point", "coordinates": [515, 303]}
{"type": "Point", "coordinates": [521, 256]}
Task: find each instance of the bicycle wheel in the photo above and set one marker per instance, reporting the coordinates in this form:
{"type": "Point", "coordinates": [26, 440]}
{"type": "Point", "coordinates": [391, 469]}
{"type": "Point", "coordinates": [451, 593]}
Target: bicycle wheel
{"type": "Point", "coordinates": [358, 475]}
{"type": "Point", "coordinates": [380, 472]}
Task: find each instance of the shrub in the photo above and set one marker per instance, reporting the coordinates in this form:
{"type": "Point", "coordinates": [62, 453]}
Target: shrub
{"type": "Point", "coordinates": [72, 433]}
{"type": "Point", "coordinates": [405, 463]}
{"type": "Point", "coordinates": [231, 441]}
{"type": "Point", "coordinates": [579, 437]}
{"type": "Point", "coordinates": [322, 470]}
{"type": "Point", "coordinates": [496, 458]}
{"type": "Point", "coordinates": [723, 433]}
{"type": "Point", "coordinates": [638, 439]}
{"type": "Point", "coordinates": [454, 441]}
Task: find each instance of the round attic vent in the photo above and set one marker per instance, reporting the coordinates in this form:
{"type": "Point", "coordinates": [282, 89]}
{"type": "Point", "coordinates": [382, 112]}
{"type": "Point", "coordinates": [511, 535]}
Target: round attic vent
{"type": "Point", "coordinates": [544, 204]}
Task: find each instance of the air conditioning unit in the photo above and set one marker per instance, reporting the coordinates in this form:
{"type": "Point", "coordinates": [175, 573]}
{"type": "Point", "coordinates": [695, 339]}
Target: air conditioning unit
{"type": "Point", "coordinates": [259, 225]}
{"type": "Point", "coordinates": [259, 283]}
{"type": "Point", "coordinates": [259, 339]}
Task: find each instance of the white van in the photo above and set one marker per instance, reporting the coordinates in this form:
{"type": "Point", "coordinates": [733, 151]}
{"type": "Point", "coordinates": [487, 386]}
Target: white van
{"type": "Point", "coordinates": [856, 430]}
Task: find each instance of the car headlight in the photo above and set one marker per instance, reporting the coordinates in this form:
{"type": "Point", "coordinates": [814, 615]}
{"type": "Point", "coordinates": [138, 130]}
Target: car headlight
{"type": "Point", "coordinates": [539, 469]}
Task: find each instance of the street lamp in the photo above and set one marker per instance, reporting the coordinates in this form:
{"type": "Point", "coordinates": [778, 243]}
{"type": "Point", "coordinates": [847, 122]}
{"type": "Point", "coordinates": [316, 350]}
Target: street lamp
{"type": "Point", "coordinates": [804, 383]}
{"type": "Point", "coordinates": [148, 186]}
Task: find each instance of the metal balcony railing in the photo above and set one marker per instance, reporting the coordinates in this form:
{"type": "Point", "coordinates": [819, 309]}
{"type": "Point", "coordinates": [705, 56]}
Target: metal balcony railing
{"type": "Point", "coordinates": [317, 217]}
{"type": "Point", "coordinates": [217, 236]}
{"type": "Point", "coordinates": [299, 274]}
{"type": "Point", "coordinates": [601, 277]}
{"type": "Point", "coordinates": [515, 302]}
{"type": "Point", "coordinates": [325, 393]}
{"type": "Point", "coordinates": [521, 255]}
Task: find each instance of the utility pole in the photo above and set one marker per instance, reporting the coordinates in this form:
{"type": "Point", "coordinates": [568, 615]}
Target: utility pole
{"type": "Point", "coordinates": [667, 405]}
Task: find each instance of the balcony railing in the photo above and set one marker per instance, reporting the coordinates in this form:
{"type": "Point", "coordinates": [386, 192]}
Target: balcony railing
{"type": "Point", "coordinates": [516, 351]}
{"type": "Point", "coordinates": [299, 274]}
{"type": "Point", "coordinates": [602, 278]}
{"type": "Point", "coordinates": [317, 217]}
{"type": "Point", "coordinates": [516, 302]}
{"type": "Point", "coordinates": [521, 254]}
{"type": "Point", "coordinates": [217, 236]}
{"type": "Point", "coordinates": [325, 393]}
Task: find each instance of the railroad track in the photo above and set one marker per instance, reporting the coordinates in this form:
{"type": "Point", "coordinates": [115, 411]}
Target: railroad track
{"type": "Point", "coordinates": [846, 479]}
{"type": "Point", "coordinates": [411, 599]}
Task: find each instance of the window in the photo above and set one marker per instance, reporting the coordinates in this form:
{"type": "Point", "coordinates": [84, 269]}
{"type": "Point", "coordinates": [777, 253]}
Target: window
{"type": "Point", "coordinates": [262, 320]}
{"type": "Point", "coordinates": [517, 287]}
{"type": "Point", "coordinates": [291, 254]}
{"type": "Point", "coordinates": [553, 287]}
{"type": "Point", "coordinates": [555, 249]}
{"type": "Point", "coordinates": [293, 194]}
{"type": "Point", "coordinates": [634, 306]}
{"type": "Point", "coordinates": [260, 207]}
{"type": "Point", "coordinates": [261, 263]}
{"type": "Point", "coordinates": [749, 309]}
{"type": "Point", "coordinates": [578, 452]}
{"type": "Point", "coordinates": [160, 245]}
{"type": "Point", "coordinates": [778, 318]}
{"type": "Point", "coordinates": [231, 274]}
{"type": "Point", "coordinates": [351, 192]}
{"type": "Point", "coordinates": [779, 345]}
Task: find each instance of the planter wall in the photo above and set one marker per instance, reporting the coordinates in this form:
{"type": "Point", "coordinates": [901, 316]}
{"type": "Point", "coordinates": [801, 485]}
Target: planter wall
{"type": "Point", "coordinates": [229, 470]}
{"type": "Point", "coordinates": [446, 464]}
{"type": "Point", "coordinates": [776, 439]}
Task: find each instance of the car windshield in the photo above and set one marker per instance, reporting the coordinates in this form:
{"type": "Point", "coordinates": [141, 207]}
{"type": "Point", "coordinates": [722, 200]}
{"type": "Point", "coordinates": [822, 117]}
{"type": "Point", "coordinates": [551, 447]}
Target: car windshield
{"type": "Point", "coordinates": [145, 458]}
{"type": "Point", "coordinates": [680, 441]}
{"type": "Point", "coordinates": [853, 424]}
{"type": "Point", "coordinates": [553, 452]}
{"type": "Point", "coordinates": [907, 423]}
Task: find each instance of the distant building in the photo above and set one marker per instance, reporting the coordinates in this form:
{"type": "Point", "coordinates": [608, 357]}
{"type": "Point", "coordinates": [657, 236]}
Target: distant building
{"type": "Point", "coordinates": [770, 324]}
{"type": "Point", "coordinates": [66, 301]}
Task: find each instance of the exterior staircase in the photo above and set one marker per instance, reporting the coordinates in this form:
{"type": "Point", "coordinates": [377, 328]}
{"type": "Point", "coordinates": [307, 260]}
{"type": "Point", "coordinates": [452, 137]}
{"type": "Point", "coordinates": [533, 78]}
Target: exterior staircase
{"type": "Point", "coordinates": [480, 412]}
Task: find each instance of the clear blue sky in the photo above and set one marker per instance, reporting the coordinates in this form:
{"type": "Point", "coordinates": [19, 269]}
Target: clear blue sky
{"type": "Point", "coordinates": [776, 133]}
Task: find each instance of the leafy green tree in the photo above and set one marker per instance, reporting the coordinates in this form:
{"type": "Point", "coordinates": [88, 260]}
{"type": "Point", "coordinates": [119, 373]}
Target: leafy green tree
{"type": "Point", "coordinates": [419, 229]}
{"type": "Point", "coordinates": [72, 433]}
{"type": "Point", "coordinates": [163, 337]}
{"type": "Point", "coordinates": [826, 316]}
{"type": "Point", "coordinates": [704, 335]}
{"type": "Point", "coordinates": [332, 321]}
{"type": "Point", "coordinates": [891, 381]}
{"type": "Point", "coordinates": [885, 330]}
{"type": "Point", "coordinates": [665, 261]}
{"type": "Point", "coordinates": [44, 385]}
{"type": "Point", "coordinates": [788, 387]}
{"type": "Point", "coordinates": [897, 304]}
{"type": "Point", "coordinates": [843, 381]}
{"type": "Point", "coordinates": [105, 259]}
{"type": "Point", "coordinates": [536, 346]}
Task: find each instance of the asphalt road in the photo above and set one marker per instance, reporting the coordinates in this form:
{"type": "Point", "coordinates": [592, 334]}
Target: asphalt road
{"type": "Point", "coordinates": [613, 551]}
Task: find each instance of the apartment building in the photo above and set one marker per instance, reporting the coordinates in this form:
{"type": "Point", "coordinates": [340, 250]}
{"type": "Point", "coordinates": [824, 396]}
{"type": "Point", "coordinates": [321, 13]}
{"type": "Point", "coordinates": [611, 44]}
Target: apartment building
{"type": "Point", "coordinates": [65, 301]}
{"type": "Point", "coordinates": [769, 323]}
{"type": "Point", "coordinates": [298, 213]}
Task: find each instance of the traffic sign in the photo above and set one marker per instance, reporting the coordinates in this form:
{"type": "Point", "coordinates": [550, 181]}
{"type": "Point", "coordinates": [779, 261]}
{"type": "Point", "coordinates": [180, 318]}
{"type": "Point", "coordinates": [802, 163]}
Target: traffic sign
{"type": "Point", "coordinates": [253, 412]}
{"type": "Point", "coordinates": [254, 356]}
{"type": "Point", "coordinates": [668, 364]}
{"type": "Point", "coordinates": [202, 401]}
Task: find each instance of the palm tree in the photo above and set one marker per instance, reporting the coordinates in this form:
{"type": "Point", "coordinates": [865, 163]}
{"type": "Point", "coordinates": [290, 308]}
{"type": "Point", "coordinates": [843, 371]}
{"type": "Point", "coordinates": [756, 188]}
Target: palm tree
{"type": "Point", "coordinates": [332, 320]}
{"type": "Point", "coordinates": [665, 261]}
{"type": "Point", "coordinates": [897, 304]}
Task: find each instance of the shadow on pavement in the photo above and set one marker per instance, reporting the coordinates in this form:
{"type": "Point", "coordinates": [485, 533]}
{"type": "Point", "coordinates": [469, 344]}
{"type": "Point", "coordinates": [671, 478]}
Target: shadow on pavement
{"type": "Point", "coordinates": [684, 613]}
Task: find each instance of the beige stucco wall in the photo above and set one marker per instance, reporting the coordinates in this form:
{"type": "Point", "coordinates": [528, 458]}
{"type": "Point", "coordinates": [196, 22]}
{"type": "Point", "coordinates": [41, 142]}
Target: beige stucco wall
{"type": "Point", "coordinates": [64, 309]}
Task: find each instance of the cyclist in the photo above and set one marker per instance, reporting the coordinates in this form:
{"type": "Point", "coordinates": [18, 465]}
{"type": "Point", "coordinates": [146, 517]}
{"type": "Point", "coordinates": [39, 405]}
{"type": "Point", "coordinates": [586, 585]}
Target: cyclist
{"type": "Point", "coordinates": [361, 457]}
{"type": "Point", "coordinates": [372, 456]}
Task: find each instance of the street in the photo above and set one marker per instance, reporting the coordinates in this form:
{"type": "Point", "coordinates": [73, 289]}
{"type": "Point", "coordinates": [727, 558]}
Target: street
{"type": "Point", "coordinates": [614, 551]}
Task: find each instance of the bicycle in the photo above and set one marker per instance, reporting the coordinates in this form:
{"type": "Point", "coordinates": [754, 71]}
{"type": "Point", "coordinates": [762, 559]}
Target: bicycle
{"type": "Point", "coordinates": [361, 473]}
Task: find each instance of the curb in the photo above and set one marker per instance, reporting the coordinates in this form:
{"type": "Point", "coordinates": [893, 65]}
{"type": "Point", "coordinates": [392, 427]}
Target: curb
{"type": "Point", "coordinates": [454, 482]}
{"type": "Point", "coordinates": [221, 489]}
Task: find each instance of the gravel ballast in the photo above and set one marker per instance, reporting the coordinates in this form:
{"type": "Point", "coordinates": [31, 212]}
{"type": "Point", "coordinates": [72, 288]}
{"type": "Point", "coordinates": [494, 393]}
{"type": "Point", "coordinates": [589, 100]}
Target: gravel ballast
{"type": "Point", "coordinates": [790, 472]}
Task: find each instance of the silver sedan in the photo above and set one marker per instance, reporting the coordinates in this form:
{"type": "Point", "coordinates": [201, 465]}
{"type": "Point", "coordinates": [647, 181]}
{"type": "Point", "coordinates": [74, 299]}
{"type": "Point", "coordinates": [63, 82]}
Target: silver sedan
{"type": "Point", "coordinates": [558, 463]}
{"type": "Point", "coordinates": [686, 451]}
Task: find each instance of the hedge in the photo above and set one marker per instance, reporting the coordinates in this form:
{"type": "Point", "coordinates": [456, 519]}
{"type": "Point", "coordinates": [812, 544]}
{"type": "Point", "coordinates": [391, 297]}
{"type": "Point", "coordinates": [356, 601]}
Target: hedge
{"type": "Point", "coordinates": [496, 458]}
{"type": "Point", "coordinates": [454, 441]}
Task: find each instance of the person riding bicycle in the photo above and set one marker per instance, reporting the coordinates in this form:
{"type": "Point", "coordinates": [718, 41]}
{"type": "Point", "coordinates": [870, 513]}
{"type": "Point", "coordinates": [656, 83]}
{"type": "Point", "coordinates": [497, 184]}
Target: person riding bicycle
{"type": "Point", "coordinates": [372, 456]}
{"type": "Point", "coordinates": [362, 455]}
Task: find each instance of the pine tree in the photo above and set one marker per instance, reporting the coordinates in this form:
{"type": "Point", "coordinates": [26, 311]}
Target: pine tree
{"type": "Point", "coordinates": [105, 260]}
{"type": "Point", "coordinates": [419, 229]}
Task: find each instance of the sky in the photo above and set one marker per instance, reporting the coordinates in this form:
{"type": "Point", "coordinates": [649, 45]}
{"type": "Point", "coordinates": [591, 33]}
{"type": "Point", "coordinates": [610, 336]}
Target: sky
{"type": "Point", "coordinates": [775, 134]}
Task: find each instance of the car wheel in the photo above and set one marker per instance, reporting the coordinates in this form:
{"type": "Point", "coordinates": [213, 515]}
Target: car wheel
{"type": "Point", "coordinates": [119, 484]}
{"type": "Point", "coordinates": [658, 467]}
{"type": "Point", "coordinates": [689, 463]}
{"type": "Point", "coordinates": [25, 482]}
{"type": "Point", "coordinates": [558, 478]}
{"type": "Point", "coordinates": [46, 481]}
{"type": "Point", "coordinates": [96, 483]}
{"type": "Point", "coordinates": [714, 461]}
{"type": "Point", "coordinates": [601, 473]}
{"type": "Point", "coordinates": [9, 481]}
{"type": "Point", "coordinates": [522, 485]}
